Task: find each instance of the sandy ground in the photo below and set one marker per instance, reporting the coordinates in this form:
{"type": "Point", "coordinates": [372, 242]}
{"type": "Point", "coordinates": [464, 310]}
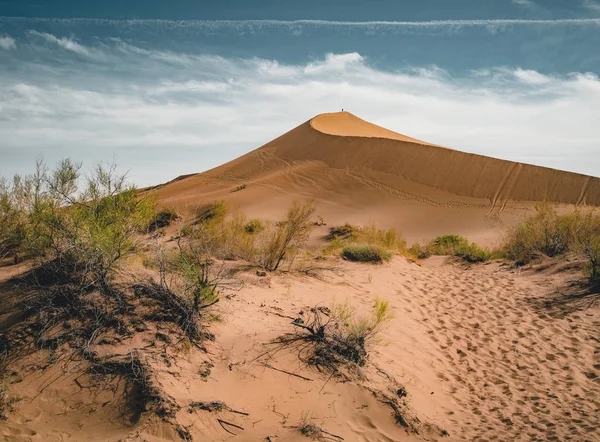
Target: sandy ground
{"type": "Point", "coordinates": [479, 356]}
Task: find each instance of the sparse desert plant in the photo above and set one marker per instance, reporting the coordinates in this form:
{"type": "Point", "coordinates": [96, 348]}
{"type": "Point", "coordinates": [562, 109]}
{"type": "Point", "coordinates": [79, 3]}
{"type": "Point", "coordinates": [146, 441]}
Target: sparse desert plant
{"type": "Point", "coordinates": [453, 245]}
{"type": "Point", "coordinates": [366, 243]}
{"type": "Point", "coordinates": [420, 251]}
{"type": "Point", "coordinates": [591, 250]}
{"type": "Point", "coordinates": [163, 218]}
{"type": "Point", "coordinates": [194, 261]}
{"type": "Point", "coordinates": [292, 232]}
{"type": "Point", "coordinates": [366, 253]}
{"type": "Point", "coordinates": [338, 337]}
{"type": "Point", "coordinates": [254, 226]}
{"type": "Point", "coordinates": [343, 231]}
{"type": "Point", "coordinates": [240, 187]}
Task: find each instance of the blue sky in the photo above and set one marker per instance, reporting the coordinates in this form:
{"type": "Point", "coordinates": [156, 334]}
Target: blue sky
{"type": "Point", "coordinates": [179, 87]}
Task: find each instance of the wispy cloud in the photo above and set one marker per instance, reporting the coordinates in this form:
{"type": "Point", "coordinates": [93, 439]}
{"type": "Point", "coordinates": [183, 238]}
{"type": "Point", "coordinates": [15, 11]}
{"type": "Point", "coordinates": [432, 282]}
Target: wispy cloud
{"type": "Point", "coordinates": [526, 3]}
{"type": "Point", "coordinates": [63, 42]}
{"type": "Point", "coordinates": [163, 118]}
{"type": "Point", "coordinates": [297, 27]}
{"type": "Point", "coordinates": [591, 5]}
{"type": "Point", "coordinates": [7, 43]}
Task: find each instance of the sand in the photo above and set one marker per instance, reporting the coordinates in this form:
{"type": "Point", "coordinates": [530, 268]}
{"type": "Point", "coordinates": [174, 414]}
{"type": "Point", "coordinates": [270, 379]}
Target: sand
{"type": "Point", "coordinates": [477, 355]}
{"type": "Point", "coordinates": [358, 172]}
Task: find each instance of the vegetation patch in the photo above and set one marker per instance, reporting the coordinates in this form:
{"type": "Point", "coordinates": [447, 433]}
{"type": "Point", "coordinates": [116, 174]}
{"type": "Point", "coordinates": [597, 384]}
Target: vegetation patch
{"type": "Point", "coordinates": [452, 245]}
{"type": "Point", "coordinates": [336, 339]}
{"type": "Point", "coordinates": [366, 253]}
{"type": "Point", "coordinates": [162, 219]}
{"type": "Point", "coordinates": [548, 233]}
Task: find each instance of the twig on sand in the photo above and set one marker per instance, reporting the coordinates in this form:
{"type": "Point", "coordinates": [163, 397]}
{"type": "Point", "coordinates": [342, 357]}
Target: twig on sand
{"type": "Point", "coordinates": [223, 423]}
{"type": "Point", "coordinates": [214, 406]}
{"type": "Point", "coordinates": [288, 372]}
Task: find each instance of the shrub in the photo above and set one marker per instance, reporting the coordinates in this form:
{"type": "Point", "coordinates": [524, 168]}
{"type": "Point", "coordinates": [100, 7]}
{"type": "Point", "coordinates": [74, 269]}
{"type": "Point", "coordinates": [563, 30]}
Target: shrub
{"type": "Point", "coordinates": [293, 232]}
{"type": "Point", "coordinates": [80, 231]}
{"type": "Point", "coordinates": [419, 251]}
{"type": "Point", "coordinates": [591, 250]}
{"type": "Point", "coordinates": [366, 243]}
{"type": "Point", "coordinates": [338, 337]}
{"type": "Point", "coordinates": [254, 226]}
{"type": "Point", "coordinates": [343, 232]}
{"type": "Point", "coordinates": [453, 245]}
{"type": "Point", "coordinates": [447, 244]}
{"type": "Point", "coordinates": [162, 219]}
{"type": "Point", "coordinates": [238, 188]}
{"type": "Point", "coordinates": [472, 253]}
{"type": "Point", "coordinates": [366, 253]}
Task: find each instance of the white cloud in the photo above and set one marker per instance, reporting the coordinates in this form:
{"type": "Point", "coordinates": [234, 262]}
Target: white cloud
{"type": "Point", "coordinates": [531, 77]}
{"type": "Point", "coordinates": [180, 113]}
{"type": "Point", "coordinates": [591, 5]}
{"type": "Point", "coordinates": [526, 3]}
{"type": "Point", "coordinates": [7, 43]}
{"type": "Point", "coordinates": [63, 42]}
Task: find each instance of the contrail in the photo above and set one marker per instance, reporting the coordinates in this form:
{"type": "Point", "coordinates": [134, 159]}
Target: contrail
{"type": "Point", "coordinates": [215, 24]}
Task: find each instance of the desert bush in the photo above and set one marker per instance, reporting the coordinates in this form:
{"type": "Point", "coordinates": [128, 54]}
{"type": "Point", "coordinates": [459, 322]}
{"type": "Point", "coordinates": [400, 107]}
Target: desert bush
{"type": "Point", "coordinates": [343, 232]}
{"type": "Point", "coordinates": [292, 232]}
{"type": "Point", "coordinates": [254, 226]}
{"type": "Point", "coordinates": [194, 261]}
{"type": "Point", "coordinates": [240, 187]}
{"type": "Point", "coordinates": [338, 337]}
{"type": "Point", "coordinates": [84, 230]}
{"type": "Point", "coordinates": [365, 243]}
{"type": "Point", "coordinates": [452, 245]}
{"type": "Point", "coordinates": [548, 233]}
{"type": "Point", "coordinates": [472, 253]}
{"type": "Point", "coordinates": [591, 250]}
{"type": "Point", "coordinates": [447, 244]}
{"type": "Point", "coordinates": [544, 233]}
{"type": "Point", "coordinates": [420, 251]}
{"type": "Point", "coordinates": [163, 218]}
{"type": "Point", "coordinates": [366, 253]}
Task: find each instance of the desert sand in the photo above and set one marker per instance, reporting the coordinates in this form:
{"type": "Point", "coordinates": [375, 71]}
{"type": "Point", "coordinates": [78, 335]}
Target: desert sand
{"type": "Point", "coordinates": [360, 173]}
{"type": "Point", "coordinates": [481, 352]}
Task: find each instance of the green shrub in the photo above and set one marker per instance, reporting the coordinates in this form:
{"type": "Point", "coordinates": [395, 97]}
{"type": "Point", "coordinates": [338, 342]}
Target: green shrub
{"type": "Point", "coordinates": [472, 253]}
{"type": "Point", "coordinates": [447, 244]}
{"type": "Point", "coordinates": [254, 226]}
{"type": "Point", "coordinates": [83, 231]}
{"type": "Point", "coordinates": [452, 245]}
{"type": "Point", "coordinates": [366, 253]}
{"type": "Point", "coordinates": [420, 251]}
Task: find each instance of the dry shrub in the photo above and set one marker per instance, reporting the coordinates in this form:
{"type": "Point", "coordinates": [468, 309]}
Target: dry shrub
{"type": "Point", "coordinates": [162, 219]}
{"type": "Point", "coordinates": [366, 243]}
{"type": "Point", "coordinates": [338, 338]}
{"type": "Point", "coordinates": [278, 240]}
{"type": "Point", "coordinates": [548, 233]}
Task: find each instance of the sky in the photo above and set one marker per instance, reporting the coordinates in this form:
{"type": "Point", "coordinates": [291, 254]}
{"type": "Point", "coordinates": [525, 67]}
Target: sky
{"type": "Point", "coordinates": [170, 88]}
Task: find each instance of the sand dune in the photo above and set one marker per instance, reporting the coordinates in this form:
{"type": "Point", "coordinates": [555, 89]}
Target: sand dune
{"type": "Point", "coordinates": [355, 169]}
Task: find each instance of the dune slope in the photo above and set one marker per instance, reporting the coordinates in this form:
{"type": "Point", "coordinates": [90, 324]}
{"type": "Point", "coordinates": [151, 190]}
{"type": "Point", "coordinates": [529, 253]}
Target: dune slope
{"type": "Point", "coordinates": [354, 168]}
